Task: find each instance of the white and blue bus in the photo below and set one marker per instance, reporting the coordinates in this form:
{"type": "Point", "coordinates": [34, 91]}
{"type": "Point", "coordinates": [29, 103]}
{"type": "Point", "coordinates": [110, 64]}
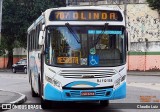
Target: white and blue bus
{"type": "Point", "coordinates": [78, 54]}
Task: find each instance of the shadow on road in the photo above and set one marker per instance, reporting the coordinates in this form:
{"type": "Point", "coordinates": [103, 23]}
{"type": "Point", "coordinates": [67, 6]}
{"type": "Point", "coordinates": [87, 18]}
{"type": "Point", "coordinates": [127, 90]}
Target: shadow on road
{"type": "Point", "coordinates": [81, 107]}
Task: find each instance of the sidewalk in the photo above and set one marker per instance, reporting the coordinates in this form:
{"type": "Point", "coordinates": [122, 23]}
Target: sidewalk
{"type": "Point", "coordinates": [7, 97]}
{"type": "Point", "coordinates": [5, 70]}
{"type": "Point", "coordinates": [139, 73]}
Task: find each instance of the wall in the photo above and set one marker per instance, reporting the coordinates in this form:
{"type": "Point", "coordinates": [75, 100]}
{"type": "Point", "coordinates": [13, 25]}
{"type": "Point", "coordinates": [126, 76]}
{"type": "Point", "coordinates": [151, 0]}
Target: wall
{"type": "Point", "coordinates": [144, 36]}
{"type": "Point", "coordinates": [143, 26]}
{"type": "Point", "coordinates": [143, 23]}
{"type": "Point", "coordinates": [18, 53]}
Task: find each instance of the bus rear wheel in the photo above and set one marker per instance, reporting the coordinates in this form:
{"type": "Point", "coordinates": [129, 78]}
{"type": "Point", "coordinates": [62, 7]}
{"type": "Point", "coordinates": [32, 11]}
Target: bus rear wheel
{"type": "Point", "coordinates": [34, 94]}
{"type": "Point", "coordinates": [13, 70]}
{"type": "Point", "coordinates": [104, 103]}
{"type": "Point", "coordinates": [25, 70]}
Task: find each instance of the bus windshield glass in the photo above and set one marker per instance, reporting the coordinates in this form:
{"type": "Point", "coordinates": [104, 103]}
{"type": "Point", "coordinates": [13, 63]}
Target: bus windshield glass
{"type": "Point", "coordinates": [62, 48]}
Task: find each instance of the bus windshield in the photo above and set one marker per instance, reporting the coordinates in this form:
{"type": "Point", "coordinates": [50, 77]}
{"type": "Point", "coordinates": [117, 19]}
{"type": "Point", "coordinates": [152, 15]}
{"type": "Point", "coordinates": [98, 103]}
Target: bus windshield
{"type": "Point", "coordinates": [63, 50]}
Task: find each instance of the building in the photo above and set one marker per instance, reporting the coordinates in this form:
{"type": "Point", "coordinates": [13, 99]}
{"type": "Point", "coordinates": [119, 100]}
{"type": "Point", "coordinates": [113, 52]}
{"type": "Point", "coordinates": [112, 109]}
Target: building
{"type": "Point", "coordinates": [18, 53]}
{"type": "Point", "coordinates": [102, 2]}
{"type": "Point", "coordinates": [143, 25]}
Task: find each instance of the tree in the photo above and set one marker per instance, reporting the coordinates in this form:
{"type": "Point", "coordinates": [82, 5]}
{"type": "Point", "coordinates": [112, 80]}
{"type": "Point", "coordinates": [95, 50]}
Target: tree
{"type": "Point", "coordinates": [16, 17]}
{"type": "Point", "coordinates": [155, 5]}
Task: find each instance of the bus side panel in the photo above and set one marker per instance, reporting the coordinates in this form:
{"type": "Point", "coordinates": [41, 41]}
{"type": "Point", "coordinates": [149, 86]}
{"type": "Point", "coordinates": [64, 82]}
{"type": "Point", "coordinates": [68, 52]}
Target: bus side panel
{"type": "Point", "coordinates": [34, 64]}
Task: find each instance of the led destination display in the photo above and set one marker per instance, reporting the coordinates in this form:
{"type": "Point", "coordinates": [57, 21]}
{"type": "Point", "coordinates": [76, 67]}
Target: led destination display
{"type": "Point", "coordinates": [85, 15]}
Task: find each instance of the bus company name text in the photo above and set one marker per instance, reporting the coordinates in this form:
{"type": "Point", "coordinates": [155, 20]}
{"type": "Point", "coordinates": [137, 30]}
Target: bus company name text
{"type": "Point", "coordinates": [21, 107]}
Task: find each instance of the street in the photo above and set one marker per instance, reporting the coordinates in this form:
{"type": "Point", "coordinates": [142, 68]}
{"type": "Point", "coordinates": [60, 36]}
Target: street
{"type": "Point", "coordinates": [139, 88]}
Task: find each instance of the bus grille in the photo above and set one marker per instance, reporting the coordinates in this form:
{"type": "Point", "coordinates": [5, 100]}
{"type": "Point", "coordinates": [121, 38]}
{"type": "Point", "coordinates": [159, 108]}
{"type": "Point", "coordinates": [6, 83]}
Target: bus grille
{"type": "Point", "coordinates": [81, 74]}
{"type": "Point", "coordinates": [97, 93]}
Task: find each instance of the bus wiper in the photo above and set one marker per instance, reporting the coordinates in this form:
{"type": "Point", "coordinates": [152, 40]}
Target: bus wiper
{"type": "Point", "coordinates": [72, 32]}
{"type": "Point", "coordinates": [100, 35]}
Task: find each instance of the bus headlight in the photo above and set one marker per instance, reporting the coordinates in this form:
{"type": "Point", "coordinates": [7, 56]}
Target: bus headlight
{"type": "Point", "coordinates": [123, 78]}
{"type": "Point", "coordinates": [117, 82]}
{"type": "Point", "coordinates": [56, 83]}
{"type": "Point", "coordinates": [53, 81]}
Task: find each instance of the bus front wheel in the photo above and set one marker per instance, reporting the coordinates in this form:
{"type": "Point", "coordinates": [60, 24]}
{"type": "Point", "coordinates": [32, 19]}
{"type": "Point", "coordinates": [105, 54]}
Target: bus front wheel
{"type": "Point", "coordinates": [104, 103]}
{"type": "Point", "coordinates": [45, 104]}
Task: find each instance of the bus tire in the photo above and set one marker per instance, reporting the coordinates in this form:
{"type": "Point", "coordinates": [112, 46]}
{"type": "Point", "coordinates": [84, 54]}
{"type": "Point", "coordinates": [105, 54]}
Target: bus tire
{"type": "Point", "coordinates": [39, 87]}
{"type": "Point", "coordinates": [25, 70]}
{"type": "Point", "coordinates": [30, 77]}
{"type": "Point", "coordinates": [104, 103]}
{"type": "Point", "coordinates": [13, 70]}
{"type": "Point", "coordinates": [45, 104]}
{"type": "Point", "coordinates": [34, 94]}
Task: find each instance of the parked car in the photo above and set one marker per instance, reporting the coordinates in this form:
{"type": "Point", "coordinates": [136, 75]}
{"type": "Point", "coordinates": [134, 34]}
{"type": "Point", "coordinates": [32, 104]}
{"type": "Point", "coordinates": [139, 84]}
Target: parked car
{"type": "Point", "coordinates": [20, 66]}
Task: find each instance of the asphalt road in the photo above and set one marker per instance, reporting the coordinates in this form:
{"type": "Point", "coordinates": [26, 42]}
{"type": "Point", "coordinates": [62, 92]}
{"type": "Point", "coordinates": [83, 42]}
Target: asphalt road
{"type": "Point", "coordinates": [138, 87]}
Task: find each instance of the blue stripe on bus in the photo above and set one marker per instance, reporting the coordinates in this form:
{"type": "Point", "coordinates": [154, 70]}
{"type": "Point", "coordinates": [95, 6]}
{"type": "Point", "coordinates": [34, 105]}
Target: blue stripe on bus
{"type": "Point", "coordinates": [120, 92]}
{"type": "Point", "coordinates": [51, 93]}
{"type": "Point", "coordinates": [82, 83]}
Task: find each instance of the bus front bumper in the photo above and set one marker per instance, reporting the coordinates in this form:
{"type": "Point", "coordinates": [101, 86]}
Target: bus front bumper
{"type": "Point", "coordinates": [52, 94]}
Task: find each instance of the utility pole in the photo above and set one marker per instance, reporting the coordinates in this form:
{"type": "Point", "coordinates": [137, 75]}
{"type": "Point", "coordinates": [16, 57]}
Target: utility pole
{"type": "Point", "coordinates": [67, 3]}
{"type": "Point", "coordinates": [125, 12]}
{"type": "Point", "coordinates": [1, 1]}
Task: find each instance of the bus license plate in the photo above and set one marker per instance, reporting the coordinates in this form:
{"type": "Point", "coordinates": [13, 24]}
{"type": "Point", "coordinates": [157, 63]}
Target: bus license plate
{"type": "Point", "coordinates": [87, 93]}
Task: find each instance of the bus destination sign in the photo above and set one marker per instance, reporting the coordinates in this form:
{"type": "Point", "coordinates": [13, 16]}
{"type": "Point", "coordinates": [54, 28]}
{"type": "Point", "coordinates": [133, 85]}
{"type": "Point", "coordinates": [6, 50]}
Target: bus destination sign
{"type": "Point", "coordinates": [85, 15]}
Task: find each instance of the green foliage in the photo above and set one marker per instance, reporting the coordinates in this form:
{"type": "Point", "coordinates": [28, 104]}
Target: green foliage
{"type": "Point", "coordinates": [154, 4]}
{"type": "Point", "coordinates": [17, 16]}
{"type": "Point", "coordinates": [2, 51]}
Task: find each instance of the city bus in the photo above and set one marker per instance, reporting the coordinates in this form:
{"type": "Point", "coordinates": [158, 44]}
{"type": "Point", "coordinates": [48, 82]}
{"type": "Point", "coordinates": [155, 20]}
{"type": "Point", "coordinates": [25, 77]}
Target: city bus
{"type": "Point", "coordinates": [78, 54]}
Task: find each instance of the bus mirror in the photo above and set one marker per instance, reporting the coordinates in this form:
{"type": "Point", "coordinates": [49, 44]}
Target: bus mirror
{"type": "Point", "coordinates": [41, 38]}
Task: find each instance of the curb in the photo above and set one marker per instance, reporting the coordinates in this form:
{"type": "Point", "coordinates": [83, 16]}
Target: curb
{"type": "Point", "coordinates": [140, 74]}
{"type": "Point", "coordinates": [20, 100]}
{"type": "Point", "coordinates": [5, 70]}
